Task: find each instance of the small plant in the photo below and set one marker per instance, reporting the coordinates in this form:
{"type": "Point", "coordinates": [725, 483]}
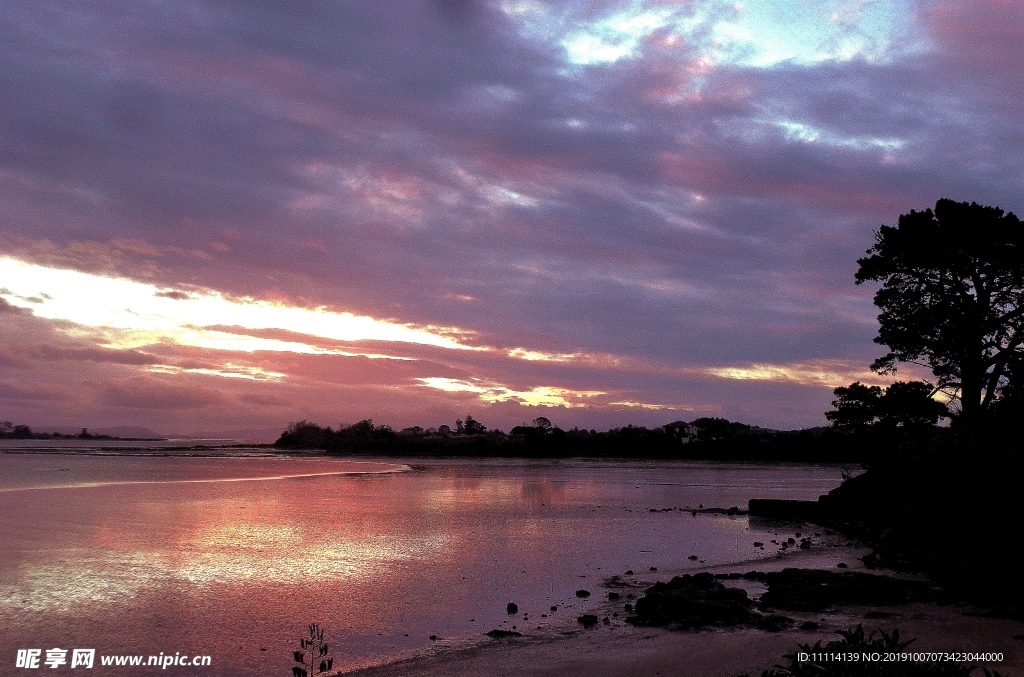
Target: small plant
{"type": "Point", "coordinates": [313, 656]}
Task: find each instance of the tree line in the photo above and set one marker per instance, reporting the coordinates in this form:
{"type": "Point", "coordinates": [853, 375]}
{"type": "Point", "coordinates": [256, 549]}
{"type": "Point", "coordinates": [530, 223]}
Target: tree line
{"type": "Point", "coordinates": [714, 438]}
{"type": "Point", "coordinates": [11, 431]}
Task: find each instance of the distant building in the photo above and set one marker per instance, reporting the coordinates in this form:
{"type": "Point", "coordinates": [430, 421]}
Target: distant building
{"type": "Point", "coordinates": [681, 430]}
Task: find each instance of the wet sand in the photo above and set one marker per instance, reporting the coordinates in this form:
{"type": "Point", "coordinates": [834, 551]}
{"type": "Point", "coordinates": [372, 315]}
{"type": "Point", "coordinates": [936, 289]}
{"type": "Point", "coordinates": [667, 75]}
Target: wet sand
{"type": "Point", "coordinates": [628, 652]}
{"type": "Point", "coordinates": [621, 650]}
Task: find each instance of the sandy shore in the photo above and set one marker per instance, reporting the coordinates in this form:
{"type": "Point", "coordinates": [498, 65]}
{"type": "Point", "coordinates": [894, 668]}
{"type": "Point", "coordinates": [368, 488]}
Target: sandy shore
{"type": "Point", "coordinates": [621, 650]}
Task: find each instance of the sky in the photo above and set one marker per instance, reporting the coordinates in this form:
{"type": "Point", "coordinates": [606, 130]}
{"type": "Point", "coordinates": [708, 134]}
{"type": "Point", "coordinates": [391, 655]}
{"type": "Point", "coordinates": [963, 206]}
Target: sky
{"type": "Point", "coordinates": [229, 215]}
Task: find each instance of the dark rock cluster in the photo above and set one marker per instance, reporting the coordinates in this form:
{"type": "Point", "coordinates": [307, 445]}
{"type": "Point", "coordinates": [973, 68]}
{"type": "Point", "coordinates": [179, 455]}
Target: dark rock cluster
{"type": "Point", "coordinates": [690, 602]}
{"type": "Point", "coordinates": [817, 590]}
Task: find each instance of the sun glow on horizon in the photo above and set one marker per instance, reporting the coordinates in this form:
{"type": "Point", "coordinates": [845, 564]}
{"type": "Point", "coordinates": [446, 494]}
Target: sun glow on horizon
{"type": "Point", "coordinates": [539, 396]}
{"type": "Point", "coordinates": [132, 313]}
{"type": "Point", "coordinates": [824, 373]}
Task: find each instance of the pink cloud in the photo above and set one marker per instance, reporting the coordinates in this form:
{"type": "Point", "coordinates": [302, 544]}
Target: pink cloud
{"type": "Point", "coordinates": [153, 392]}
{"type": "Point", "coordinates": [985, 35]}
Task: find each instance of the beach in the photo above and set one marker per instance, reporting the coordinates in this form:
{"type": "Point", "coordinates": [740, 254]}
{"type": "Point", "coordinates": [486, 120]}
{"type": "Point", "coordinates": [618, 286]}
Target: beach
{"type": "Point", "coordinates": [628, 652]}
{"type": "Point", "coordinates": [623, 650]}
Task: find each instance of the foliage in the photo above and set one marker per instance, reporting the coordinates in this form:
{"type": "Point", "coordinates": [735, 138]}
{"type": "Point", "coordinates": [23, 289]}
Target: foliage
{"type": "Point", "coordinates": [469, 427]}
{"type": "Point", "coordinates": [710, 429]}
{"type": "Point", "coordinates": [854, 642]}
{"type": "Point", "coordinates": [17, 432]}
{"type": "Point", "coordinates": [725, 440]}
{"type": "Point", "coordinates": [904, 404]}
{"type": "Point", "coordinates": [952, 282]}
{"type": "Point", "coordinates": [313, 656]}
{"type": "Point", "coordinates": [303, 435]}
{"type": "Point", "coordinates": [10, 431]}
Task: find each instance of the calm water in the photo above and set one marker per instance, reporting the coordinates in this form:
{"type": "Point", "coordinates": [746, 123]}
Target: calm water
{"type": "Point", "coordinates": [233, 556]}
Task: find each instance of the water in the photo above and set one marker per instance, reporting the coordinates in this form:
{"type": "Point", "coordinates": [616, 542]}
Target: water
{"type": "Point", "coordinates": [232, 556]}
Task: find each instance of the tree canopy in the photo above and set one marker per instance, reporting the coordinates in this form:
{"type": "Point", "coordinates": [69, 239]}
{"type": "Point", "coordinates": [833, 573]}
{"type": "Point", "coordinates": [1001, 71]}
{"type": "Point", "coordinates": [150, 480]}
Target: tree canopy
{"type": "Point", "coordinates": [904, 404]}
{"type": "Point", "coordinates": [952, 285]}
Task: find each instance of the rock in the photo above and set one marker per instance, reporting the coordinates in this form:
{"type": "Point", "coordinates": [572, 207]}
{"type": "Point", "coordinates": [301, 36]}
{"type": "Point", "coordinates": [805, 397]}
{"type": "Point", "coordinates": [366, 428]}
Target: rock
{"type": "Point", "coordinates": [692, 557]}
{"type": "Point", "coordinates": [841, 565]}
{"type": "Point", "coordinates": [758, 544]}
{"type": "Point", "coordinates": [500, 634]}
{"type": "Point", "coordinates": [554, 608]}
{"type": "Point", "coordinates": [654, 568]}
{"type": "Point", "coordinates": [583, 594]}
{"type": "Point", "coordinates": [613, 595]}
{"type": "Point", "coordinates": [606, 620]}
{"type": "Point", "coordinates": [773, 623]}
{"type": "Point", "coordinates": [628, 607]}
{"type": "Point", "coordinates": [693, 602]}
{"type": "Point", "coordinates": [816, 590]}
{"type": "Point", "coordinates": [629, 572]}
{"type": "Point", "coordinates": [512, 608]}
{"type": "Point", "coordinates": [587, 620]}
{"type": "Point", "coordinates": [433, 638]}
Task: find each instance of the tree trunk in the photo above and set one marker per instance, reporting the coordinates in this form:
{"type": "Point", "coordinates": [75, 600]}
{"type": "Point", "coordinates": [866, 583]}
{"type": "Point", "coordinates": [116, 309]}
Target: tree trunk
{"type": "Point", "coordinates": [971, 379]}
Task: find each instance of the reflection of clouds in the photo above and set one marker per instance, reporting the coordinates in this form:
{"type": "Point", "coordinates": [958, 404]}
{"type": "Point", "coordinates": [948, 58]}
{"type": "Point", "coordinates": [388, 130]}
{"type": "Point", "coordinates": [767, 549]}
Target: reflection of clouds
{"type": "Point", "coordinates": [485, 493]}
{"type": "Point", "coordinates": [223, 553]}
{"type": "Point", "coordinates": [65, 585]}
{"type": "Point", "coordinates": [284, 555]}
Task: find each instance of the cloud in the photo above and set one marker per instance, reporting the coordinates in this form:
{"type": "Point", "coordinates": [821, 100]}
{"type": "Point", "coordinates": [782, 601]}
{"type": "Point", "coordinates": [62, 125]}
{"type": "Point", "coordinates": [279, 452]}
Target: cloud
{"type": "Point", "coordinates": [19, 390]}
{"type": "Point", "coordinates": [600, 196]}
{"type": "Point", "coordinates": [158, 394]}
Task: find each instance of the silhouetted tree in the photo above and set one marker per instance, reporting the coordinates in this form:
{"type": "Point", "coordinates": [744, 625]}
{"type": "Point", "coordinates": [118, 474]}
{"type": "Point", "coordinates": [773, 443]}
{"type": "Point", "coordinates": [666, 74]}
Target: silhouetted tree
{"type": "Point", "coordinates": [710, 429]}
{"type": "Point", "coordinates": [362, 436]}
{"type": "Point", "coordinates": [473, 427]}
{"type": "Point", "coordinates": [909, 404]}
{"type": "Point", "coordinates": [855, 407]}
{"type": "Point", "coordinates": [303, 435]}
{"type": "Point", "coordinates": [904, 404]}
{"type": "Point", "coordinates": [952, 285]}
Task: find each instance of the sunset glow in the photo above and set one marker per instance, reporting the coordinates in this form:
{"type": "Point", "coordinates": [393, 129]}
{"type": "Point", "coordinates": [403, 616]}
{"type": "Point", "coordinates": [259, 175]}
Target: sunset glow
{"type": "Point", "coordinates": [122, 304]}
{"type": "Point", "coordinates": [605, 213]}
